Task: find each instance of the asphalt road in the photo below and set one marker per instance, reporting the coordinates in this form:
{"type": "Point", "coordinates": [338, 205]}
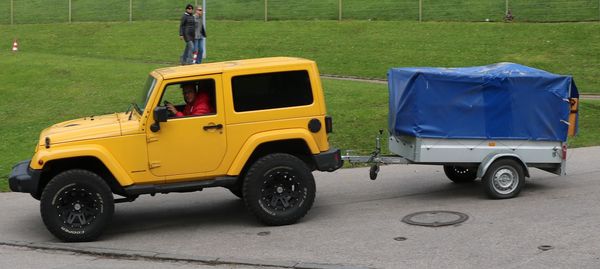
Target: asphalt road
{"type": "Point", "coordinates": [354, 223]}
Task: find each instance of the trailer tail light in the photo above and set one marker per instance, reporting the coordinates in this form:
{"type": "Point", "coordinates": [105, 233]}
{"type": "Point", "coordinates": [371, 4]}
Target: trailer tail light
{"type": "Point", "coordinates": [328, 124]}
{"type": "Point", "coordinates": [564, 151]}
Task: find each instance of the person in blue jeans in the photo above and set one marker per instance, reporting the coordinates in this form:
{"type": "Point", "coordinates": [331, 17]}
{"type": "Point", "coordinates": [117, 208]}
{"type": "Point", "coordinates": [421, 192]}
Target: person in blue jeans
{"type": "Point", "coordinates": [187, 34]}
{"type": "Point", "coordinates": [199, 35]}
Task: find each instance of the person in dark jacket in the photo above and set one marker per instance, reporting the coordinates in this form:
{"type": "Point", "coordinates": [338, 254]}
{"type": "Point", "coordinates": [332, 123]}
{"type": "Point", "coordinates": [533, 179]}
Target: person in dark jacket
{"type": "Point", "coordinates": [187, 34]}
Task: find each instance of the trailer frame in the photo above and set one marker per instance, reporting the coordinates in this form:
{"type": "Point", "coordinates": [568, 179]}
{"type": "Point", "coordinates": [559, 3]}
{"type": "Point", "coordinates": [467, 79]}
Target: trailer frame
{"type": "Point", "coordinates": [501, 164]}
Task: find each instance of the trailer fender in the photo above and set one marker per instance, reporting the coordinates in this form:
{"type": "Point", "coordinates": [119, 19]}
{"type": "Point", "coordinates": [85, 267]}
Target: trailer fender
{"type": "Point", "coordinates": [488, 160]}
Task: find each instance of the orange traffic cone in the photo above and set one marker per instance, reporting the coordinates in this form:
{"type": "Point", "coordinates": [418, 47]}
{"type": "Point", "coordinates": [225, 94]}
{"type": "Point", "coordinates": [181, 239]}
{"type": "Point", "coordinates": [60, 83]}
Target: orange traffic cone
{"type": "Point", "coordinates": [15, 46]}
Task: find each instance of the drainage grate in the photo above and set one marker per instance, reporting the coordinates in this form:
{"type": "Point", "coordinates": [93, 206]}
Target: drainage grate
{"type": "Point", "coordinates": [435, 218]}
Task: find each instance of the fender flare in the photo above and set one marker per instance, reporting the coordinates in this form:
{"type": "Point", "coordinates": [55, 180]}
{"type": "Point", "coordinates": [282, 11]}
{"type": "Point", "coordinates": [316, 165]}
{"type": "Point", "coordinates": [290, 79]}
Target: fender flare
{"type": "Point", "coordinates": [95, 151]}
{"type": "Point", "coordinates": [490, 158]}
{"type": "Point", "coordinates": [277, 135]}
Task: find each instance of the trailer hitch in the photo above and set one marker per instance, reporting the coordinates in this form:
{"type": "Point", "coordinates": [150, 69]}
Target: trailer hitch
{"type": "Point", "coordinates": [375, 160]}
{"type": "Point", "coordinates": [374, 170]}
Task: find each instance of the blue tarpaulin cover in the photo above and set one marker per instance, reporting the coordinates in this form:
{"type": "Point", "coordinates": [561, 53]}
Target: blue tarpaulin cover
{"type": "Point", "coordinates": [499, 101]}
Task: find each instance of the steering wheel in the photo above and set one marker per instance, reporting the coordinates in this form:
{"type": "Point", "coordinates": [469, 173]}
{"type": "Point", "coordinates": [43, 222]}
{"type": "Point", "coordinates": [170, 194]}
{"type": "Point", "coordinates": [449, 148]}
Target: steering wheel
{"type": "Point", "coordinates": [165, 102]}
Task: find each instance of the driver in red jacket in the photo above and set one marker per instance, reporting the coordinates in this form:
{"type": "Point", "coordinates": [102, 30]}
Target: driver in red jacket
{"type": "Point", "coordinates": [197, 103]}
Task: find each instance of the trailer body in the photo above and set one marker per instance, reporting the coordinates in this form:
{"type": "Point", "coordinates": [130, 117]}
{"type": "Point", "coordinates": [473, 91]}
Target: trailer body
{"type": "Point", "coordinates": [546, 155]}
{"type": "Point", "coordinates": [490, 122]}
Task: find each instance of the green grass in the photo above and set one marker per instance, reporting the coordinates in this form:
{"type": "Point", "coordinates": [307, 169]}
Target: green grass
{"type": "Point", "coordinates": [64, 71]}
{"type": "Point", "coordinates": [358, 48]}
{"type": "Point", "coordinates": [433, 10]}
{"type": "Point", "coordinates": [589, 125]}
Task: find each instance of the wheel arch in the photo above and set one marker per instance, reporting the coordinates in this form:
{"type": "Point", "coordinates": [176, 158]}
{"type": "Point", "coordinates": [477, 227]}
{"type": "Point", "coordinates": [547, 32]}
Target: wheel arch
{"type": "Point", "coordinates": [491, 158]}
{"type": "Point", "coordinates": [298, 144]}
{"type": "Point", "coordinates": [90, 163]}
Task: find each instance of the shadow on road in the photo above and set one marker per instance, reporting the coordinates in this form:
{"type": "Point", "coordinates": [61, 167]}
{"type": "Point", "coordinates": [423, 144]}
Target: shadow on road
{"type": "Point", "coordinates": [145, 216]}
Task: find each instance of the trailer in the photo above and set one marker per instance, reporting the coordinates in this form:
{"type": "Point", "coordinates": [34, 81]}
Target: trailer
{"type": "Point", "coordinates": [491, 122]}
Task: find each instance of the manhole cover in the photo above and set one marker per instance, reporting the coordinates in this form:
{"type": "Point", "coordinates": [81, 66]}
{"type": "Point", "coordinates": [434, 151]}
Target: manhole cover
{"type": "Point", "coordinates": [435, 218]}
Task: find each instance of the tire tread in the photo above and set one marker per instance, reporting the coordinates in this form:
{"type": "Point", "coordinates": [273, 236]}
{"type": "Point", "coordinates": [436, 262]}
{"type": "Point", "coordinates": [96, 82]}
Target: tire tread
{"type": "Point", "coordinates": [268, 161]}
{"type": "Point", "coordinates": [63, 179]}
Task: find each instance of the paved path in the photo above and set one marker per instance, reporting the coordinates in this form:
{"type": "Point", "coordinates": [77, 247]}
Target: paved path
{"type": "Point", "coordinates": [354, 222]}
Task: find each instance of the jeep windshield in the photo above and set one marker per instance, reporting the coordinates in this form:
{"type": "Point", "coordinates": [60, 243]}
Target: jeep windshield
{"type": "Point", "coordinates": [145, 94]}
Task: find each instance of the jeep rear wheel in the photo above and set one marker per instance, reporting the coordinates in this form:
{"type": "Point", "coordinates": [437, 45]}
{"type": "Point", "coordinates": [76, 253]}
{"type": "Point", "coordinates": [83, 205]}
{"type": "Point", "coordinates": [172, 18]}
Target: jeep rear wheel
{"type": "Point", "coordinates": [279, 189]}
{"type": "Point", "coordinates": [76, 206]}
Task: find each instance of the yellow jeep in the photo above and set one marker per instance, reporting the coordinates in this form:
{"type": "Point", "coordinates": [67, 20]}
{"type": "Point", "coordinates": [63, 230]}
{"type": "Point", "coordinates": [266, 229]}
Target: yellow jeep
{"type": "Point", "coordinates": [264, 133]}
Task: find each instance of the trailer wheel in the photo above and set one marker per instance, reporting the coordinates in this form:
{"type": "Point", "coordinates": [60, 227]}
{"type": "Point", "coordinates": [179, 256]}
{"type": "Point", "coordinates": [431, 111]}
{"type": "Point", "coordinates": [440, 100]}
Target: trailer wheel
{"type": "Point", "coordinates": [373, 171]}
{"type": "Point", "coordinates": [76, 206]}
{"type": "Point", "coordinates": [279, 189]}
{"type": "Point", "coordinates": [460, 174]}
{"type": "Point", "coordinates": [504, 179]}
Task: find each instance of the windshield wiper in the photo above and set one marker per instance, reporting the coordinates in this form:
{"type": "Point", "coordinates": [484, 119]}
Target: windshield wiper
{"type": "Point", "coordinates": [130, 109]}
{"type": "Point", "coordinates": [133, 107]}
{"type": "Point", "coordinates": [137, 108]}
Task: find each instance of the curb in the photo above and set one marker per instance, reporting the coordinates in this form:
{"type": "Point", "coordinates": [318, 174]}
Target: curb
{"type": "Point", "coordinates": [157, 256]}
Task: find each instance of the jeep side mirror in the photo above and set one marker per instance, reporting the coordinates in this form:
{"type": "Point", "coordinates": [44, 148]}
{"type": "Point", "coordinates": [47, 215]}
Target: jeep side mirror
{"type": "Point", "coordinates": [161, 114]}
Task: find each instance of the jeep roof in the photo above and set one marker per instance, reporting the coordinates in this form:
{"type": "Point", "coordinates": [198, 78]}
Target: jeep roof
{"type": "Point", "coordinates": [220, 67]}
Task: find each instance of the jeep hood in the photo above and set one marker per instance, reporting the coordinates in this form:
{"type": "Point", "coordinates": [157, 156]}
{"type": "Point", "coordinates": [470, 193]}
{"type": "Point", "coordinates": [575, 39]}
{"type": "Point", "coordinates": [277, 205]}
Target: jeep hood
{"type": "Point", "coordinates": [93, 127]}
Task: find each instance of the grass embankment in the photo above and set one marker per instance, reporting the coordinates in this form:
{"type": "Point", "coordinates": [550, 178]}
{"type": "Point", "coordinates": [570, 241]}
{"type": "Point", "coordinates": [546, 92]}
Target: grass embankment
{"type": "Point", "coordinates": [360, 48]}
{"type": "Point", "coordinates": [68, 71]}
{"type": "Point", "coordinates": [54, 11]}
{"type": "Point", "coordinates": [433, 10]}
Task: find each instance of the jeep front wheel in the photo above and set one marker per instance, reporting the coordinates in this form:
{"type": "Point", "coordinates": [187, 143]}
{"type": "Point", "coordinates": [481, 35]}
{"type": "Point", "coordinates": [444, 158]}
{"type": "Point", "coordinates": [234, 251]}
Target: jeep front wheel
{"type": "Point", "coordinates": [279, 189]}
{"type": "Point", "coordinates": [76, 206]}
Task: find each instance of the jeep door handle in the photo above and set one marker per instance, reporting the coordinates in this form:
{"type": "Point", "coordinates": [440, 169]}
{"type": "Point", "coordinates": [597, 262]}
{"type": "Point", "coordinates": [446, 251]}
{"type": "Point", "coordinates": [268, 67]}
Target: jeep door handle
{"type": "Point", "coordinates": [213, 126]}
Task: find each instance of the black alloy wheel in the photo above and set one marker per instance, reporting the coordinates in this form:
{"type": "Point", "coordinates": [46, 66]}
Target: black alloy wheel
{"type": "Point", "coordinates": [279, 189]}
{"type": "Point", "coordinates": [76, 206]}
{"type": "Point", "coordinates": [282, 190]}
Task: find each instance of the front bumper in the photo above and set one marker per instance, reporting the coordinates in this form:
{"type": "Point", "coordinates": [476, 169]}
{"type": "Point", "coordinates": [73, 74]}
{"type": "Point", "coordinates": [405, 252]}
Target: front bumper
{"type": "Point", "coordinates": [329, 161]}
{"type": "Point", "coordinates": [24, 179]}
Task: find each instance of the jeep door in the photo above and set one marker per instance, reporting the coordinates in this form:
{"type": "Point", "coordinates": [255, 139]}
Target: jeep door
{"type": "Point", "coordinates": [191, 145]}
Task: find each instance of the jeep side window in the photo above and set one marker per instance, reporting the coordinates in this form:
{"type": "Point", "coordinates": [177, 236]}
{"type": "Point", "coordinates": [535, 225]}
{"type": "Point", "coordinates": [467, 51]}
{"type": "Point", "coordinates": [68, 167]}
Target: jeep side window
{"type": "Point", "coordinates": [271, 90]}
{"type": "Point", "coordinates": [190, 98]}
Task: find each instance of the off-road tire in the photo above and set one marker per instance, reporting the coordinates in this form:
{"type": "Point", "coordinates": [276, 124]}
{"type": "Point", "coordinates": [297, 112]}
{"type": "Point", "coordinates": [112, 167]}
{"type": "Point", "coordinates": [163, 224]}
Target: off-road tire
{"type": "Point", "coordinates": [460, 174]}
{"type": "Point", "coordinates": [76, 206]}
{"type": "Point", "coordinates": [279, 189]}
{"type": "Point", "coordinates": [504, 179]}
